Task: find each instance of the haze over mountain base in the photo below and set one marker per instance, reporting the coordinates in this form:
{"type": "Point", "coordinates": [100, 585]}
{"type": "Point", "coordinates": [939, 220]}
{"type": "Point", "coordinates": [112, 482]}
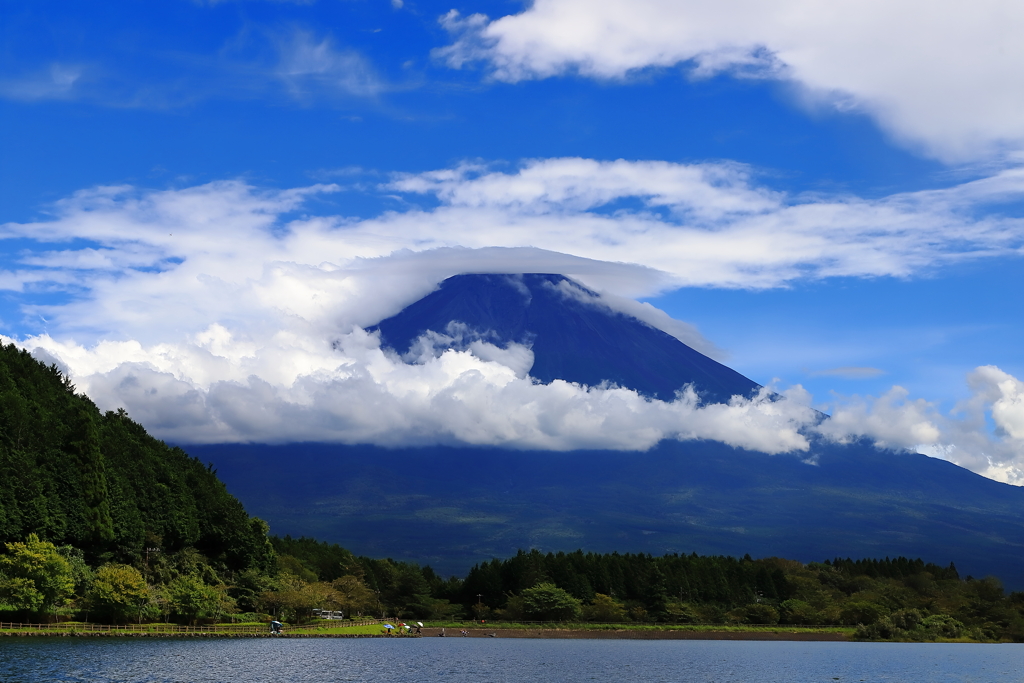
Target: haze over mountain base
{"type": "Point", "coordinates": [453, 507]}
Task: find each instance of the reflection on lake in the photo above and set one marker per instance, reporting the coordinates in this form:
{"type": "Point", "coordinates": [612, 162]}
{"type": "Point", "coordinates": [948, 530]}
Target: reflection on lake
{"type": "Point", "coordinates": [455, 660]}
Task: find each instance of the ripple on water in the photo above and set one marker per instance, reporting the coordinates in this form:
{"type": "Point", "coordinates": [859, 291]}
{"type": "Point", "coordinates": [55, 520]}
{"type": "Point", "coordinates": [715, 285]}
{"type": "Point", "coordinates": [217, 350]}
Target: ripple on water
{"type": "Point", "coordinates": [458, 660]}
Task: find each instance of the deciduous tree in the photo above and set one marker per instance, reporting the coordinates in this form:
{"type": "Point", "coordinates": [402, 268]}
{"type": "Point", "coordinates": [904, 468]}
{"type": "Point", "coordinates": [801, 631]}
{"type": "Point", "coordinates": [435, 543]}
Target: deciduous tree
{"type": "Point", "coordinates": [605, 609]}
{"type": "Point", "coordinates": [118, 593]}
{"type": "Point", "coordinates": [192, 599]}
{"type": "Point", "coordinates": [34, 576]}
{"type": "Point", "coordinates": [548, 602]}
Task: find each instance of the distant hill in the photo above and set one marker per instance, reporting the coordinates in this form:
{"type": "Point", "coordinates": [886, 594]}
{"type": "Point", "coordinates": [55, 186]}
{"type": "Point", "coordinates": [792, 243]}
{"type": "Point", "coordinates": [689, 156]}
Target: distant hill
{"type": "Point", "coordinates": [99, 482]}
{"type": "Point", "coordinates": [453, 507]}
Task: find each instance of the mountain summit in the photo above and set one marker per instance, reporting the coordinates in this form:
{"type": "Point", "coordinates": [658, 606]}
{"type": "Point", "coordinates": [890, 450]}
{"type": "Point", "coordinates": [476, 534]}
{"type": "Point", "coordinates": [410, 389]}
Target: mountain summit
{"type": "Point", "coordinates": [573, 334]}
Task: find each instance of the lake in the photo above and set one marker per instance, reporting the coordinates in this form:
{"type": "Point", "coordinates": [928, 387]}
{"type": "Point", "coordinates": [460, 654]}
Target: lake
{"type": "Point", "coordinates": [457, 660]}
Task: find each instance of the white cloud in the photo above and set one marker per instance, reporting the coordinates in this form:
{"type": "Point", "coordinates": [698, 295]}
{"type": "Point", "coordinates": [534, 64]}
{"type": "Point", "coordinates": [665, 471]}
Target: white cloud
{"type": "Point", "coordinates": [1005, 393]}
{"type": "Point", "coordinates": [221, 313]}
{"type": "Point", "coordinates": [699, 192]}
{"type": "Point", "coordinates": [219, 387]}
{"type": "Point", "coordinates": [223, 252]}
{"type": "Point", "coordinates": [315, 65]}
{"type": "Point", "coordinates": [942, 75]}
{"type": "Point", "coordinates": [890, 420]}
{"type": "Point", "coordinates": [458, 336]}
{"type": "Point", "coordinates": [706, 224]}
{"type": "Point", "coordinates": [216, 388]}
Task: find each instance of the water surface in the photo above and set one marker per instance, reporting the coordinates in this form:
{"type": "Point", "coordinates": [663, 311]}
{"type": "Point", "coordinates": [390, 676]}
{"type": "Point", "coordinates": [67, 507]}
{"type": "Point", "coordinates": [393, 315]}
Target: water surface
{"type": "Point", "coordinates": [458, 660]}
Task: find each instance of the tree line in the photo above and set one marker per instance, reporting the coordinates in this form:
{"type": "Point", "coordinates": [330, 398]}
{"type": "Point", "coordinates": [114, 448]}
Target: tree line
{"type": "Point", "coordinates": [890, 598]}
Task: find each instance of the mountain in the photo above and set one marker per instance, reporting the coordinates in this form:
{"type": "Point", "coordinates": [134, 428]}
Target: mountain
{"type": "Point", "coordinates": [573, 335]}
{"type": "Point", "coordinates": [453, 507]}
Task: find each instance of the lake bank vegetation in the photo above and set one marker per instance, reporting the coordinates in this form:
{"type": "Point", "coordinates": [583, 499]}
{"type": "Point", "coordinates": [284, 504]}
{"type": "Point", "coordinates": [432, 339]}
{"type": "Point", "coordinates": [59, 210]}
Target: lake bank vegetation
{"type": "Point", "coordinates": [100, 522]}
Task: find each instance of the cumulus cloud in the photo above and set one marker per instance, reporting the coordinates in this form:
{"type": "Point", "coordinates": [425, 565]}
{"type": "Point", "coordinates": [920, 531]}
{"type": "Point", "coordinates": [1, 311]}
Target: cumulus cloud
{"type": "Point", "coordinates": [943, 75]}
{"type": "Point", "coordinates": [223, 313]}
{"type": "Point", "coordinates": [894, 420]}
{"type": "Point", "coordinates": [217, 388]}
{"type": "Point", "coordinates": [891, 421]}
{"type": "Point", "coordinates": [1007, 393]}
{"type": "Point", "coordinates": [456, 388]}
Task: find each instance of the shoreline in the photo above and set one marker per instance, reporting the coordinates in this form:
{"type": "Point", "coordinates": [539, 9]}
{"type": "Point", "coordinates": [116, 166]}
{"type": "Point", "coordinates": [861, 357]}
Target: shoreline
{"type": "Point", "coordinates": [628, 634]}
{"type": "Point", "coordinates": [550, 634]}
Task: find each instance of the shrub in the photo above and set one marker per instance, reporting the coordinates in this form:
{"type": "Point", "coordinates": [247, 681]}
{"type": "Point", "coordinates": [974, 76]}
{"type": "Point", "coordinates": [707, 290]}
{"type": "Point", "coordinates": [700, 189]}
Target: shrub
{"type": "Point", "coordinates": [682, 613]}
{"type": "Point", "coordinates": [760, 613]}
{"type": "Point", "coordinates": [118, 593]}
{"type": "Point", "coordinates": [34, 577]}
{"type": "Point", "coordinates": [943, 625]}
{"type": "Point", "coordinates": [604, 609]}
{"type": "Point", "coordinates": [906, 619]}
{"type": "Point", "coordinates": [798, 612]}
{"type": "Point", "coordinates": [882, 629]}
{"type": "Point", "coordinates": [860, 612]}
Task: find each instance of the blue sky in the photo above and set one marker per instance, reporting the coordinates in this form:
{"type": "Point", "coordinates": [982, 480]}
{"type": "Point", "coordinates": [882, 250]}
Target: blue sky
{"type": "Point", "coordinates": [830, 196]}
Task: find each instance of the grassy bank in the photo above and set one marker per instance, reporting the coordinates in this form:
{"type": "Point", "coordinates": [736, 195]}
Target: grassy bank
{"type": "Point", "coordinates": [455, 629]}
{"type": "Point", "coordinates": [377, 628]}
{"type": "Point", "coordinates": [589, 626]}
{"type": "Point", "coordinates": [253, 629]}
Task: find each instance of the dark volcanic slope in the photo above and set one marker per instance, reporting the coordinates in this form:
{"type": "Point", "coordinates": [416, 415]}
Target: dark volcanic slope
{"type": "Point", "coordinates": [572, 339]}
{"type": "Point", "coordinates": [452, 507]}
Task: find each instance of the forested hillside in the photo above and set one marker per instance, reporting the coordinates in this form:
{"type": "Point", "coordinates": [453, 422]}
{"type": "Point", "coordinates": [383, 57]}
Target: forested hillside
{"type": "Point", "coordinates": [98, 482]}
